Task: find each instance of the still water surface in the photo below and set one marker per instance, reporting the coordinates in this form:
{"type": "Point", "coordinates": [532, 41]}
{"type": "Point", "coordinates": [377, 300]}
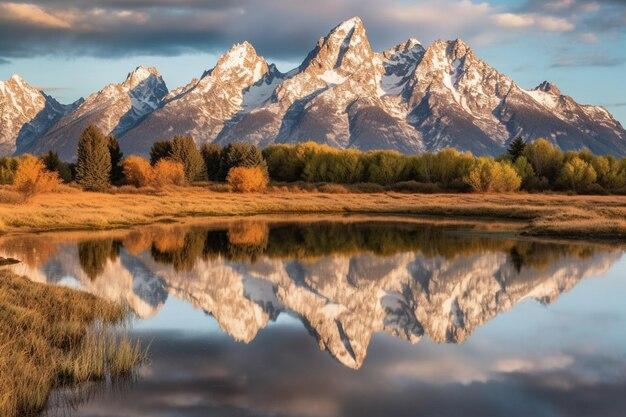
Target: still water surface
{"type": "Point", "coordinates": [350, 317]}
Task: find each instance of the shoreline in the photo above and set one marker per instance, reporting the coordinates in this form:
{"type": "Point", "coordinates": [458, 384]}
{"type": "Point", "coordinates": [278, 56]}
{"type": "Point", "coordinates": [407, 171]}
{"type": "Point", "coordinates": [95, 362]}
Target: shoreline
{"type": "Point", "coordinates": [542, 215]}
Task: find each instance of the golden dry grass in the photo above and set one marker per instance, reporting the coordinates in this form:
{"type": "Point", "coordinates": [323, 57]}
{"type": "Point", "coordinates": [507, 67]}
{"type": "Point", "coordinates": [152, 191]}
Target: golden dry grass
{"type": "Point", "coordinates": [556, 215]}
{"type": "Point", "coordinates": [52, 335]}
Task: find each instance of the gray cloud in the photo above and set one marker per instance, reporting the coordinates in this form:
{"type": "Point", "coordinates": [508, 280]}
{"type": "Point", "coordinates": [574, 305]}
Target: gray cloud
{"type": "Point", "coordinates": [281, 29]}
{"type": "Point", "coordinates": [4, 61]}
{"type": "Point", "coordinates": [592, 60]}
{"type": "Point", "coordinates": [283, 374]}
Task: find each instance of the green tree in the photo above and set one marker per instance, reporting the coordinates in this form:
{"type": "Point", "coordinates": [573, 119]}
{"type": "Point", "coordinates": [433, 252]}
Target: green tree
{"type": "Point", "coordinates": [185, 151]}
{"type": "Point", "coordinates": [385, 167]}
{"type": "Point", "coordinates": [284, 162]}
{"type": "Point", "coordinates": [516, 148]}
{"type": "Point", "coordinates": [117, 174]}
{"type": "Point", "coordinates": [93, 163]}
{"type": "Point", "coordinates": [545, 158]}
{"type": "Point", "coordinates": [240, 155]}
{"type": "Point", "coordinates": [8, 166]}
{"type": "Point", "coordinates": [211, 155]}
{"type": "Point", "coordinates": [53, 163]}
{"type": "Point", "coordinates": [160, 150]}
{"type": "Point", "coordinates": [524, 169]}
{"type": "Point", "coordinates": [577, 175]}
{"type": "Point", "coordinates": [488, 175]}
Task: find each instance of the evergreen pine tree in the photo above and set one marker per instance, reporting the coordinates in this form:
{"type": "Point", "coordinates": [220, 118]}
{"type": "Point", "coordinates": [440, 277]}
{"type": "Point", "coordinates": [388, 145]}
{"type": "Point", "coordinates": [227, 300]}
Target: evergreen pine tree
{"type": "Point", "coordinates": [93, 163]}
{"type": "Point", "coordinates": [53, 163]}
{"type": "Point", "coordinates": [117, 173]}
{"type": "Point", "coordinates": [160, 150]}
{"type": "Point", "coordinates": [184, 150]}
{"type": "Point", "coordinates": [516, 148]}
{"type": "Point", "coordinates": [240, 155]}
{"type": "Point", "coordinates": [211, 155]}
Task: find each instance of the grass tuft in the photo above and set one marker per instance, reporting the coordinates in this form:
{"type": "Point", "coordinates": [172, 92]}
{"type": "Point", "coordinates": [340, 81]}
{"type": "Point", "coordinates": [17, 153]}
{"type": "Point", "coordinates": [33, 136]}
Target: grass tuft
{"type": "Point", "coordinates": [51, 336]}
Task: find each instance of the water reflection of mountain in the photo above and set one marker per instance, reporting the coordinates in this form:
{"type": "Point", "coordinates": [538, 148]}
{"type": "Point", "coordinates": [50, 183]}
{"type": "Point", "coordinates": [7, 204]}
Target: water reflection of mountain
{"type": "Point", "coordinates": [345, 281]}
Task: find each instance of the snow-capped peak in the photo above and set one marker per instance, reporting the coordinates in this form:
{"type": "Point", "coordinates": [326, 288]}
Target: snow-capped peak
{"type": "Point", "coordinates": [350, 24]}
{"type": "Point", "coordinates": [548, 87]}
{"type": "Point", "coordinates": [139, 75]}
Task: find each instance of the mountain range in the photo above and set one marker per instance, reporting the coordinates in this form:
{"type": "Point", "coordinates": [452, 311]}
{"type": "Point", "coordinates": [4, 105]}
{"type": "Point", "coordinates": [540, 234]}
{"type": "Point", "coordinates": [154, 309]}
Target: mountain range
{"type": "Point", "coordinates": [408, 98]}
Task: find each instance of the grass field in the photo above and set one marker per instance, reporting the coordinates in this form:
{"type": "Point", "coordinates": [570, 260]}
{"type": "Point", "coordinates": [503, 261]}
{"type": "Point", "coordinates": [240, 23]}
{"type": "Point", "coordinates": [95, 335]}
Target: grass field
{"type": "Point", "coordinates": [602, 217]}
{"type": "Point", "coordinates": [51, 336]}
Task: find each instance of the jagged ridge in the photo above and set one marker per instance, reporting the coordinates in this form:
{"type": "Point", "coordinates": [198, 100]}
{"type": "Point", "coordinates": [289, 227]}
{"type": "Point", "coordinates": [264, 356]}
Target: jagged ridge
{"type": "Point", "coordinates": [344, 94]}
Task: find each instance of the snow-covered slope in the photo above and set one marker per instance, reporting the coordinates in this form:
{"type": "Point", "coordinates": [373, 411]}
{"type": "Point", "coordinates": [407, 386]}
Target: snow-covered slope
{"type": "Point", "coordinates": [25, 114]}
{"type": "Point", "coordinates": [114, 109]}
{"type": "Point", "coordinates": [344, 94]}
{"type": "Point", "coordinates": [238, 80]}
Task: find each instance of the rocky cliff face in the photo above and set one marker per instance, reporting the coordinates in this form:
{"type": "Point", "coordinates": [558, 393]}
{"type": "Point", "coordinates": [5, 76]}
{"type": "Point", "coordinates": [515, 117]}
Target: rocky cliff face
{"type": "Point", "coordinates": [114, 109]}
{"type": "Point", "coordinates": [344, 94]}
{"type": "Point", "coordinates": [26, 113]}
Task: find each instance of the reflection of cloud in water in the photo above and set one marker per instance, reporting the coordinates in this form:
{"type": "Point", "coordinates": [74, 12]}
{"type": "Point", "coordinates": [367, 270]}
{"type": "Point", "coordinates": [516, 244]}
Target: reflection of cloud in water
{"type": "Point", "coordinates": [346, 282]}
{"type": "Point", "coordinates": [284, 375]}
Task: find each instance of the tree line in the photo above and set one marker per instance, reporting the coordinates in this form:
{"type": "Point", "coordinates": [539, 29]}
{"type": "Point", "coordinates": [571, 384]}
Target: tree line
{"type": "Point", "coordinates": [536, 166]}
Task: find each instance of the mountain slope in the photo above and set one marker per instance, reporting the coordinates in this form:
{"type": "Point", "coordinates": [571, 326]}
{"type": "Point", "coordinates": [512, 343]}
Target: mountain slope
{"type": "Point", "coordinates": [25, 114]}
{"type": "Point", "coordinates": [344, 94]}
{"type": "Point", "coordinates": [203, 106]}
{"type": "Point", "coordinates": [114, 109]}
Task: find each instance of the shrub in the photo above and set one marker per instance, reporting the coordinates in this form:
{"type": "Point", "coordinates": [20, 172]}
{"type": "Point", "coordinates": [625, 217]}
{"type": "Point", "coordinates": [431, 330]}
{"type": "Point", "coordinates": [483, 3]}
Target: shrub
{"type": "Point", "coordinates": [184, 150]}
{"type": "Point", "coordinates": [93, 163]}
{"type": "Point", "coordinates": [168, 172]}
{"type": "Point", "coordinates": [247, 179]}
{"type": "Point", "coordinates": [488, 175]}
{"type": "Point", "coordinates": [545, 158]}
{"type": "Point", "coordinates": [577, 175]}
{"type": "Point", "coordinates": [240, 155]}
{"type": "Point", "coordinates": [32, 178]}
{"type": "Point", "coordinates": [416, 187]}
{"type": "Point", "coordinates": [160, 150]}
{"type": "Point", "coordinates": [138, 171]}
{"type": "Point", "coordinates": [211, 155]}
{"type": "Point", "coordinates": [8, 166]}
{"type": "Point", "coordinates": [333, 189]}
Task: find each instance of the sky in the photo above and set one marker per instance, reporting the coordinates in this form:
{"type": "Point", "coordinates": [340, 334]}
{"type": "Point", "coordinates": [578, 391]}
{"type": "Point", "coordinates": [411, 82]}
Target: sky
{"type": "Point", "coordinates": [71, 48]}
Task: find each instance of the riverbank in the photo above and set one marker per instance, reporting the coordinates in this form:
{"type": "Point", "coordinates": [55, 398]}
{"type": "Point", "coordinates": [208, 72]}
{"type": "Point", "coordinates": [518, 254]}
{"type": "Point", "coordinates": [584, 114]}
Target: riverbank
{"type": "Point", "coordinates": [563, 216]}
{"type": "Point", "coordinates": [48, 339]}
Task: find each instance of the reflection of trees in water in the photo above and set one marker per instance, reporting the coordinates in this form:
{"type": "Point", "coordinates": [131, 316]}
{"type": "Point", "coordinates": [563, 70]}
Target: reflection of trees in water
{"type": "Point", "coordinates": [94, 254]}
{"type": "Point", "coordinates": [540, 255]}
{"type": "Point", "coordinates": [184, 257]}
{"type": "Point", "coordinates": [32, 250]}
{"type": "Point", "coordinates": [246, 241]}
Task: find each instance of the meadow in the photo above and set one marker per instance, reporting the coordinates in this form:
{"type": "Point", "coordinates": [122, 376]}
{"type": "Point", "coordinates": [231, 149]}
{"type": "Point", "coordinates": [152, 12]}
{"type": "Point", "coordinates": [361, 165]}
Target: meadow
{"type": "Point", "coordinates": [559, 215]}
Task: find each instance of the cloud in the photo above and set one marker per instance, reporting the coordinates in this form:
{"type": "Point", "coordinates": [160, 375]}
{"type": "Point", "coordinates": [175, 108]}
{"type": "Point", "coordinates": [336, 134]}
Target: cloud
{"type": "Point", "coordinates": [4, 61]}
{"type": "Point", "coordinates": [591, 60]}
{"type": "Point", "coordinates": [32, 15]}
{"type": "Point", "coordinates": [521, 20]}
{"type": "Point", "coordinates": [280, 29]}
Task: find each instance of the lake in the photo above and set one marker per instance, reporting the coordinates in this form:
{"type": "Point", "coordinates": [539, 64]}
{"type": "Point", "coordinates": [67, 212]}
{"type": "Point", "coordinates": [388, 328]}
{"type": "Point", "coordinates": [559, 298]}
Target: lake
{"type": "Point", "coordinates": [348, 316]}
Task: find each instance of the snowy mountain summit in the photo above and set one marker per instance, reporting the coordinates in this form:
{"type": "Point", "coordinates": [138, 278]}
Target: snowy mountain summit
{"type": "Point", "coordinates": [407, 98]}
